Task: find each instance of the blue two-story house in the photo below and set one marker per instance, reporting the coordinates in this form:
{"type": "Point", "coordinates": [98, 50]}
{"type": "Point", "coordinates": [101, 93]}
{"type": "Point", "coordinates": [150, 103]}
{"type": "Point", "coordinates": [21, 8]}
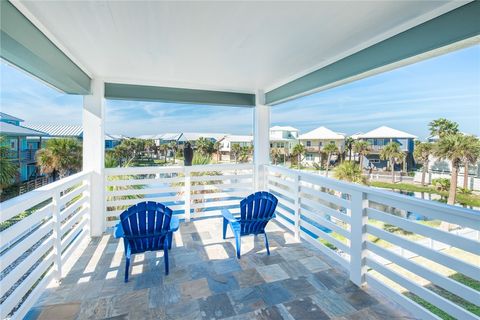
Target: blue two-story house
{"type": "Point", "coordinates": [19, 150]}
{"type": "Point", "coordinates": [380, 137]}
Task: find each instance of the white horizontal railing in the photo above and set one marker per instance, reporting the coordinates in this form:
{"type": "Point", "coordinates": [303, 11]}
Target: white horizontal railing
{"type": "Point", "coordinates": [39, 230]}
{"type": "Point", "coordinates": [345, 221]}
{"type": "Point", "coordinates": [194, 191]}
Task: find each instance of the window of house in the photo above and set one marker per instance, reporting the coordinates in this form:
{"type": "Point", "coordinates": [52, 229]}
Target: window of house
{"type": "Point", "coordinates": [309, 143]}
{"type": "Point", "coordinates": [320, 144]}
{"type": "Point", "coordinates": [13, 144]}
{"type": "Point", "coordinates": [309, 157]}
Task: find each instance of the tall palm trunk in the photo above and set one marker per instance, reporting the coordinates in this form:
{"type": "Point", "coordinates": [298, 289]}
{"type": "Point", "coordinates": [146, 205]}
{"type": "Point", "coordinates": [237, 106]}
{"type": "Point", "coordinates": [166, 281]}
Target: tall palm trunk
{"type": "Point", "coordinates": [328, 165]}
{"type": "Point", "coordinates": [465, 176]}
{"type": "Point", "coordinates": [453, 185]}
{"type": "Point", "coordinates": [298, 161]}
{"type": "Point", "coordinates": [424, 173]}
{"type": "Point", "coordinates": [360, 158]}
{"type": "Point", "coordinates": [393, 170]}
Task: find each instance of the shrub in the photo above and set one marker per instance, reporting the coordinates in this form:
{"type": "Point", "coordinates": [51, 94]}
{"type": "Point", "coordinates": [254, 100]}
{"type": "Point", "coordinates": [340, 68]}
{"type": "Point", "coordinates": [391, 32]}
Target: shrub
{"type": "Point", "coordinates": [441, 184]}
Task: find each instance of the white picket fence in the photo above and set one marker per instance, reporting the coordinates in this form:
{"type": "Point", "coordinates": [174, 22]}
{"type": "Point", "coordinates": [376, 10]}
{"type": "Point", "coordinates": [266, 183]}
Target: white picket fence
{"type": "Point", "coordinates": [343, 217]}
{"type": "Point", "coordinates": [35, 248]}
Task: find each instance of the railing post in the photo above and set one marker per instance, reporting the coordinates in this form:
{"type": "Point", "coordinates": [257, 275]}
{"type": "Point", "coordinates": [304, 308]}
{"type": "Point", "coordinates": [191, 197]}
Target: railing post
{"type": "Point", "coordinates": [187, 194]}
{"type": "Point", "coordinates": [296, 186]}
{"type": "Point", "coordinates": [57, 234]}
{"type": "Point", "coordinates": [358, 251]}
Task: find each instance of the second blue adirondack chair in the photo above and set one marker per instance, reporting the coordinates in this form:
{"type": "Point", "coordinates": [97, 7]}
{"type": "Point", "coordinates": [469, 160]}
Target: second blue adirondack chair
{"type": "Point", "coordinates": [146, 226]}
{"type": "Point", "coordinates": [255, 212]}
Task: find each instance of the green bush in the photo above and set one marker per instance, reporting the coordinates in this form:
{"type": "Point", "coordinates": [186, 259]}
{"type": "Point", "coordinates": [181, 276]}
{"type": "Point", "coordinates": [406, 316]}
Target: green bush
{"type": "Point", "coordinates": [441, 184]}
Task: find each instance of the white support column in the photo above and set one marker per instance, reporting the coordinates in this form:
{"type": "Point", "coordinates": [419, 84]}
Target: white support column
{"type": "Point", "coordinates": [358, 240]}
{"type": "Point", "coordinates": [261, 139]}
{"type": "Point", "coordinates": [94, 153]}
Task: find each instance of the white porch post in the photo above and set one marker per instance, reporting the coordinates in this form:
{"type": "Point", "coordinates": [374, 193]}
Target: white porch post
{"type": "Point", "coordinates": [261, 139]}
{"type": "Point", "coordinates": [94, 153]}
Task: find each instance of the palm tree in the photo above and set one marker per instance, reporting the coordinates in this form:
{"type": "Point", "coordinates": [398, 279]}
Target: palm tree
{"type": "Point", "coordinates": [362, 148]}
{"type": "Point", "coordinates": [393, 154]}
{"type": "Point", "coordinates": [163, 148]}
{"type": "Point", "coordinates": [149, 145]}
{"type": "Point", "coordinates": [422, 152]}
{"type": "Point", "coordinates": [298, 151]}
{"type": "Point", "coordinates": [442, 127]}
{"type": "Point", "coordinates": [173, 147]}
{"type": "Point", "coordinates": [274, 155]}
{"type": "Point", "coordinates": [235, 149]}
{"type": "Point", "coordinates": [349, 141]}
{"type": "Point", "coordinates": [216, 148]}
{"type": "Point", "coordinates": [330, 149]}
{"type": "Point", "coordinates": [8, 169]}
{"type": "Point", "coordinates": [204, 146]}
{"type": "Point", "coordinates": [349, 171]}
{"type": "Point", "coordinates": [471, 154]}
{"type": "Point", "coordinates": [60, 155]}
{"type": "Point", "coordinates": [452, 147]}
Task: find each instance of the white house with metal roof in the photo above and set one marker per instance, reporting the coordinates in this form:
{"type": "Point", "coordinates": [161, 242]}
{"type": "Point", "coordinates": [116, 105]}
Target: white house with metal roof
{"type": "Point", "coordinates": [315, 140]}
{"type": "Point", "coordinates": [283, 138]}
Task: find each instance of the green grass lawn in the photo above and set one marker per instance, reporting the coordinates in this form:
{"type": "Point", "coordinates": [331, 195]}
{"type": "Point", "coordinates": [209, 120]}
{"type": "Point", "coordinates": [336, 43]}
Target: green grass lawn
{"type": "Point", "coordinates": [463, 199]}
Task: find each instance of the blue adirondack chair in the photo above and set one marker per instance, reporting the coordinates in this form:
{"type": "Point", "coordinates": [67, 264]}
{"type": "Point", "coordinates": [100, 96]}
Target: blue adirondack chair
{"type": "Point", "coordinates": [146, 226]}
{"type": "Point", "coordinates": [255, 212]}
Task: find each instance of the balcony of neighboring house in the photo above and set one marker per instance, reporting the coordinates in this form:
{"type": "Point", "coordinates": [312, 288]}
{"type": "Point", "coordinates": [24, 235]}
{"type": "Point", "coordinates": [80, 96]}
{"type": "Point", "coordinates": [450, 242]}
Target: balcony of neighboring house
{"type": "Point", "coordinates": [338, 250]}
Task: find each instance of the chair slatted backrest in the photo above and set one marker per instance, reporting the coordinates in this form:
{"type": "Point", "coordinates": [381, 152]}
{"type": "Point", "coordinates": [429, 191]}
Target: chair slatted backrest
{"type": "Point", "coordinates": [146, 225]}
{"type": "Point", "coordinates": [255, 212]}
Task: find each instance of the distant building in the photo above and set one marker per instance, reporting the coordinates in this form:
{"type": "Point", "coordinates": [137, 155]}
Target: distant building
{"type": "Point", "coordinates": [228, 141]}
{"type": "Point", "coordinates": [20, 151]}
{"type": "Point", "coordinates": [380, 137]}
{"type": "Point", "coordinates": [315, 140]}
{"type": "Point", "coordinates": [283, 138]}
{"type": "Point", "coordinates": [68, 131]}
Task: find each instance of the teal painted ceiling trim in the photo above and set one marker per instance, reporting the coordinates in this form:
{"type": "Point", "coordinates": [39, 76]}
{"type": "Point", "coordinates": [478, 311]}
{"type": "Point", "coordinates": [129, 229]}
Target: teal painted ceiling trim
{"type": "Point", "coordinates": [23, 45]}
{"type": "Point", "coordinates": [119, 91]}
{"type": "Point", "coordinates": [451, 27]}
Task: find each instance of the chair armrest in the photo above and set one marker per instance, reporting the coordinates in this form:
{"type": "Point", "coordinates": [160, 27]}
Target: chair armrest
{"type": "Point", "coordinates": [174, 224]}
{"type": "Point", "coordinates": [227, 215]}
{"type": "Point", "coordinates": [118, 231]}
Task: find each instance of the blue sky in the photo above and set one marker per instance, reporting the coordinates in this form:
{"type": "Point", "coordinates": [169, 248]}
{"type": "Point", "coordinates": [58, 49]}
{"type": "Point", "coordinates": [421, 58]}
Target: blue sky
{"type": "Point", "coordinates": [406, 99]}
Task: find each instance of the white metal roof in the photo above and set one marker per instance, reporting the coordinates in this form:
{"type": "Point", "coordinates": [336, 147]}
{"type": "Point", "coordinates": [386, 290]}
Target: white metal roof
{"type": "Point", "coordinates": [232, 45]}
{"type": "Point", "coordinates": [321, 133]}
{"type": "Point", "coordinates": [283, 128]}
{"type": "Point", "coordinates": [6, 116]}
{"type": "Point", "coordinates": [386, 132]}
{"type": "Point", "coordinates": [58, 130]}
{"type": "Point", "coordinates": [192, 136]}
{"type": "Point", "coordinates": [13, 130]}
{"type": "Point", "coordinates": [238, 138]}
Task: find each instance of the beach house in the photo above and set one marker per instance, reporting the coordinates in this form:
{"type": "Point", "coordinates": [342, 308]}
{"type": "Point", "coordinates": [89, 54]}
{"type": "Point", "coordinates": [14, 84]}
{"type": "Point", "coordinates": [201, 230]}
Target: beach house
{"type": "Point", "coordinates": [378, 138]}
{"type": "Point", "coordinates": [315, 140]}
{"type": "Point", "coordinates": [15, 137]}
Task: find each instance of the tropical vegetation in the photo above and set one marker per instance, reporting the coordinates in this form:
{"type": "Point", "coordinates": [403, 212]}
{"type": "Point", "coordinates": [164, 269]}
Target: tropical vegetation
{"type": "Point", "coordinates": [330, 149]}
{"type": "Point", "coordinates": [349, 171]}
{"type": "Point", "coordinates": [60, 157]}
{"type": "Point", "coordinates": [393, 154]}
{"type": "Point", "coordinates": [8, 169]}
{"type": "Point", "coordinates": [422, 153]}
{"type": "Point", "coordinates": [362, 148]}
{"type": "Point", "coordinates": [297, 152]}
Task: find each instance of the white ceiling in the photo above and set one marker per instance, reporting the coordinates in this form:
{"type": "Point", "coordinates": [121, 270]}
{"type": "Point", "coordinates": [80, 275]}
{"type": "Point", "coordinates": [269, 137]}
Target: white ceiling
{"type": "Point", "coordinates": [238, 46]}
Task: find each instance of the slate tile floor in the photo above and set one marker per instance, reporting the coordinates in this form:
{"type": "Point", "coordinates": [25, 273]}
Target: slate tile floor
{"type": "Point", "coordinates": [206, 281]}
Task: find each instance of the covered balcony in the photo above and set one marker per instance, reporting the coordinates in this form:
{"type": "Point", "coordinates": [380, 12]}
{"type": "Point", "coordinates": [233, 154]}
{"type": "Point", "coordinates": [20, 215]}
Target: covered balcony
{"type": "Point", "coordinates": [58, 257]}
